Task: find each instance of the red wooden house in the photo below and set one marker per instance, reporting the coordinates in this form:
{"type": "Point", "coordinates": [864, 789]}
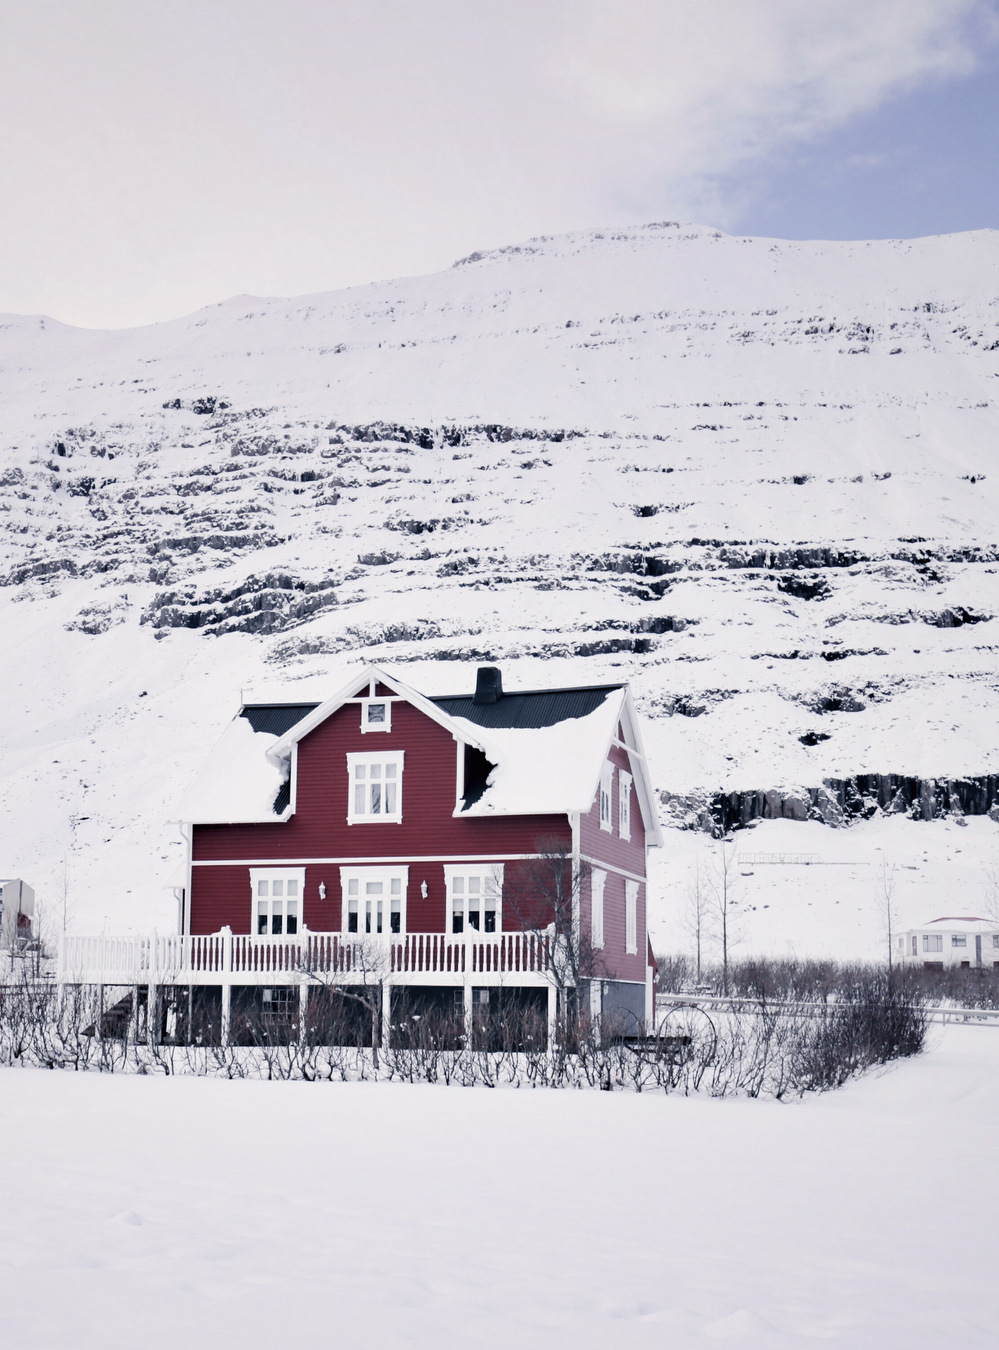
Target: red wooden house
{"type": "Point", "coordinates": [453, 850]}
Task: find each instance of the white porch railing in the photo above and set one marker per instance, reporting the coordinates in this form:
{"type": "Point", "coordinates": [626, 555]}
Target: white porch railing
{"type": "Point", "coordinates": [228, 958]}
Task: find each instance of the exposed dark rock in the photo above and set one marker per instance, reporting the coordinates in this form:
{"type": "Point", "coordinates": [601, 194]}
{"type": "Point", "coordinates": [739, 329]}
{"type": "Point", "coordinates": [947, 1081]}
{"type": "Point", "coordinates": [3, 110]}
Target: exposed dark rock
{"type": "Point", "coordinates": [264, 605]}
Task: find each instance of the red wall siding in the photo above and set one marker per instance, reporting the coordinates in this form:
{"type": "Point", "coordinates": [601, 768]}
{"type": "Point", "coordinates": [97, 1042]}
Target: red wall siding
{"type": "Point", "coordinates": [319, 828]}
{"type": "Point", "coordinates": [609, 850]}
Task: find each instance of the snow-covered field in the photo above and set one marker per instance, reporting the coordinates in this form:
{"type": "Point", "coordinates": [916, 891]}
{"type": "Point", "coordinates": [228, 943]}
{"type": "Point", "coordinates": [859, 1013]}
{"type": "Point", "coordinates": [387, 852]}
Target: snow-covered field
{"type": "Point", "coordinates": [166, 1212]}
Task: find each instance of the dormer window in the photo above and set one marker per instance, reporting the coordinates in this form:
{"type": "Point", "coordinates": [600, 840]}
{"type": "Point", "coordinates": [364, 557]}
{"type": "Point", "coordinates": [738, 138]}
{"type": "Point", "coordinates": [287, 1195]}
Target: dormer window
{"type": "Point", "coordinates": [376, 714]}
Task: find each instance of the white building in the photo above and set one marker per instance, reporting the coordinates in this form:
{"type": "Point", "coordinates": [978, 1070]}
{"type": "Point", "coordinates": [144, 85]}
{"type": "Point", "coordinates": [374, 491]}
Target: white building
{"type": "Point", "coordinates": [17, 912]}
{"type": "Point", "coordinates": [950, 941]}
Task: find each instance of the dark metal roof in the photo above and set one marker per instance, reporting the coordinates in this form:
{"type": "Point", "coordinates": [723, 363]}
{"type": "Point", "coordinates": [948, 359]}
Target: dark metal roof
{"type": "Point", "coordinates": [276, 718]}
{"type": "Point", "coordinates": [532, 708]}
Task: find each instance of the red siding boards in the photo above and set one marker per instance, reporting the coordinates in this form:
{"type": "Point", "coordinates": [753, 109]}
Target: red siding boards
{"type": "Point", "coordinates": [607, 850]}
{"type": "Point", "coordinates": [319, 828]}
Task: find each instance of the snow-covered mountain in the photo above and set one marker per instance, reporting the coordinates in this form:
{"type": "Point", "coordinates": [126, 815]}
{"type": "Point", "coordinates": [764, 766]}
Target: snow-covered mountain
{"type": "Point", "coordinates": [756, 477]}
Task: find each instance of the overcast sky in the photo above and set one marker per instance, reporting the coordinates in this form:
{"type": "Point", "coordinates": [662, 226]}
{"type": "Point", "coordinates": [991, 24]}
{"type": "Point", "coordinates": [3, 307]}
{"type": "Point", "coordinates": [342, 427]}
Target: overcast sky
{"type": "Point", "coordinates": [157, 155]}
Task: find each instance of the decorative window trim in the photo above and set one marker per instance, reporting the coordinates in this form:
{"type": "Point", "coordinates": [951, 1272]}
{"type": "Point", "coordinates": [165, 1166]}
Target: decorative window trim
{"type": "Point", "coordinates": [374, 704]}
{"type": "Point", "coordinates": [607, 797]}
{"type": "Point", "coordinates": [598, 880]}
{"type": "Point", "coordinates": [624, 781]}
{"type": "Point", "coordinates": [353, 888]}
{"type": "Point", "coordinates": [277, 907]}
{"type": "Point", "coordinates": [631, 917]}
{"type": "Point", "coordinates": [363, 760]}
{"type": "Point", "coordinates": [488, 875]}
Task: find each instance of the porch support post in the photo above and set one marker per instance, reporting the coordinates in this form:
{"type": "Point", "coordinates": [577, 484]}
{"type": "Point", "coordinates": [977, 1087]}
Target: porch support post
{"type": "Point", "coordinates": [226, 973]}
{"type": "Point", "coordinates": [152, 1014]}
{"type": "Point", "coordinates": [386, 1013]}
{"type": "Point", "coordinates": [552, 1014]}
{"type": "Point", "coordinates": [303, 1011]}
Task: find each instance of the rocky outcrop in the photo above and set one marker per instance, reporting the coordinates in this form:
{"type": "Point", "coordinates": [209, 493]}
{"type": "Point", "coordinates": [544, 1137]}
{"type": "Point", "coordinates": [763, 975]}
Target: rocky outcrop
{"type": "Point", "coordinates": [839, 801]}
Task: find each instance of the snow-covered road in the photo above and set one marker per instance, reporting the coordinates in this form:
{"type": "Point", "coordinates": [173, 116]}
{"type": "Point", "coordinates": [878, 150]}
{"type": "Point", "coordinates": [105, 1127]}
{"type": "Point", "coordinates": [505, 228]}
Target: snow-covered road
{"type": "Point", "coordinates": [146, 1212]}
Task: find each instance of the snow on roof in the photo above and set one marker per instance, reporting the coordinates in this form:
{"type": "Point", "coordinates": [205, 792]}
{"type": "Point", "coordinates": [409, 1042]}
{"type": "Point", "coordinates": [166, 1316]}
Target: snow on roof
{"type": "Point", "coordinates": [544, 770]}
{"type": "Point", "coordinates": [238, 783]}
{"type": "Point", "coordinates": [962, 921]}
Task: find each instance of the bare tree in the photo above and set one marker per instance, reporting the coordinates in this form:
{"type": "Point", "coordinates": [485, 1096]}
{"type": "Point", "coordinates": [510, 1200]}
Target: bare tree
{"type": "Point", "coordinates": [722, 883]}
{"type": "Point", "coordinates": [885, 878]}
{"type": "Point", "coordinates": [992, 888]}
{"type": "Point", "coordinates": [354, 971]}
{"type": "Point", "coordinates": [698, 913]}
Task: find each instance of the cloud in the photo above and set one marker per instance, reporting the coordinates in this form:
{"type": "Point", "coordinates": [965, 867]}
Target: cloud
{"type": "Point", "coordinates": [155, 157]}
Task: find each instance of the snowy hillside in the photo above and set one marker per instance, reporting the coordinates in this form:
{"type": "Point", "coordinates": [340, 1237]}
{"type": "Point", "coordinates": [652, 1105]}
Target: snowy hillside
{"type": "Point", "coordinates": [755, 477]}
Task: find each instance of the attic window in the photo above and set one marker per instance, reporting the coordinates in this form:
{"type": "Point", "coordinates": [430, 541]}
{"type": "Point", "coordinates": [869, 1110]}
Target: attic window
{"type": "Point", "coordinates": [624, 804]}
{"type": "Point", "coordinates": [376, 715]}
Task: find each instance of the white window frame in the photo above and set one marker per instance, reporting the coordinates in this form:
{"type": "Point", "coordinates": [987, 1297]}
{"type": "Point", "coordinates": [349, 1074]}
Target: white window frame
{"type": "Point", "coordinates": [354, 882]}
{"type": "Point", "coordinates": [631, 917]}
{"type": "Point", "coordinates": [932, 942]}
{"type": "Point", "coordinates": [364, 760]}
{"type": "Point", "coordinates": [598, 880]}
{"type": "Point", "coordinates": [958, 940]}
{"type": "Point", "coordinates": [624, 781]}
{"type": "Point", "coordinates": [458, 897]}
{"type": "Point", "coordinates": [366, 723]}
{"type": "Point", "coordinates": [607, 798]}
{"type": "Point", "coordinates": [276, 905]}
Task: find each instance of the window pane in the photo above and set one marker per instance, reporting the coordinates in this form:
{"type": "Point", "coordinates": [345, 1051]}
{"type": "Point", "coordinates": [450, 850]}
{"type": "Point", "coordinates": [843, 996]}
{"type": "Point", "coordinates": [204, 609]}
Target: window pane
{"type": "Point", "coordinates": [376, 771]}
{"type": "Point", "coordinates": [473, 885]}
{"type": "Point", "coordinates": [352, 886]}
{"type": "Point", "coordinates": [277, 923]}
{"type": "Point", "coordinates": [390, 799]}
{"type": "Point", "coordinates": [291, 908]}
{"type": "Point", "coordinates": [395, 922]}
{"type": "Point", "coordinates": [457, 922]}
{"type": "Point", "coordinates": [360, 772]}
{"type": "Point", "coordinates": [262, 920]}
{"type": "Point", "coordinates": [390, 770]}
{"type": "Point", "coordinates": [277, 888]}
{"type": "Point", "coordinates": [373, 888]}
{"type": "Point", "coordinates": [473, 919]}
{"type": "Point", "coordinates": [376, 712]}
{"type": "Point", "coordinates": [458, 885]}
{"type": "Point", "coordinates": [490, 923]}
{"type": "Point", "coordinates": [292, 887]}
{"type": "Point", "coordinates": [376, 799]}
{"type": "Point", "coordinates": [262, 888]}
{"type": "Point", "coordinates": [397, 886]}
{"type": "Point", "coordinates": [292, 926]}
{"type": "Point", "coordinates": [359, 800]}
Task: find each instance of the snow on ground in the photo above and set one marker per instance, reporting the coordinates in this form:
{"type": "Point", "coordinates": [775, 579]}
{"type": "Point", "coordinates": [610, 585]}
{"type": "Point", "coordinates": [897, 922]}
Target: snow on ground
{"type": "Point", "coordinates": [169, 1212]}
{"type": "Point", "coordinates": [826, 909]}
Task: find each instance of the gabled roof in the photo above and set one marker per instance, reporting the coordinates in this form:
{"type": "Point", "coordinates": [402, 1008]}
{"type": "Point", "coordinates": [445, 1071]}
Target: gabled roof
{"type": "Point", "coordinates": [529, 708]}
{"type": "Point", "coordinates": [544, 748]}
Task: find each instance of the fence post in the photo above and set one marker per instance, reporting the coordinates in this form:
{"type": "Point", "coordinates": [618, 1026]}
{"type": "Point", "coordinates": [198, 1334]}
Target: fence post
{"type": "Point", "coordinates": [152, 1020]}
{"type": "Point", "coordinates": [226, 984]}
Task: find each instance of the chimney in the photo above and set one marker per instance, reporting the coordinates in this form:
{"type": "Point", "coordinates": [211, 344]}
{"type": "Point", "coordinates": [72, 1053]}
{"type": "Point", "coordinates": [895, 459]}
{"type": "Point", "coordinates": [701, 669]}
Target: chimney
{"type": "Point", "coordinates": [488, 685]}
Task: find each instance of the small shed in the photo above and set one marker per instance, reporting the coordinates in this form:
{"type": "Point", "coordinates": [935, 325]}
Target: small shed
{"type": "Point", "coordinates": [962, 940]}
{"type": "Point", "coordinates": [17, 913]}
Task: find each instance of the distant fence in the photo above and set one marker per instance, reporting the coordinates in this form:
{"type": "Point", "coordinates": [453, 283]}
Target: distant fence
{"type": "Point", "coordinates": [719, 1003]}
{"type": "Point", "coordinates": [793, 860]}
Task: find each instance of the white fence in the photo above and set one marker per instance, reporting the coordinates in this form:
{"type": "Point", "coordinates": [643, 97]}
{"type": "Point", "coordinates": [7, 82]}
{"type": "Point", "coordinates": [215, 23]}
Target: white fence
{"type": "Point", "coordinates": [238, 958]}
